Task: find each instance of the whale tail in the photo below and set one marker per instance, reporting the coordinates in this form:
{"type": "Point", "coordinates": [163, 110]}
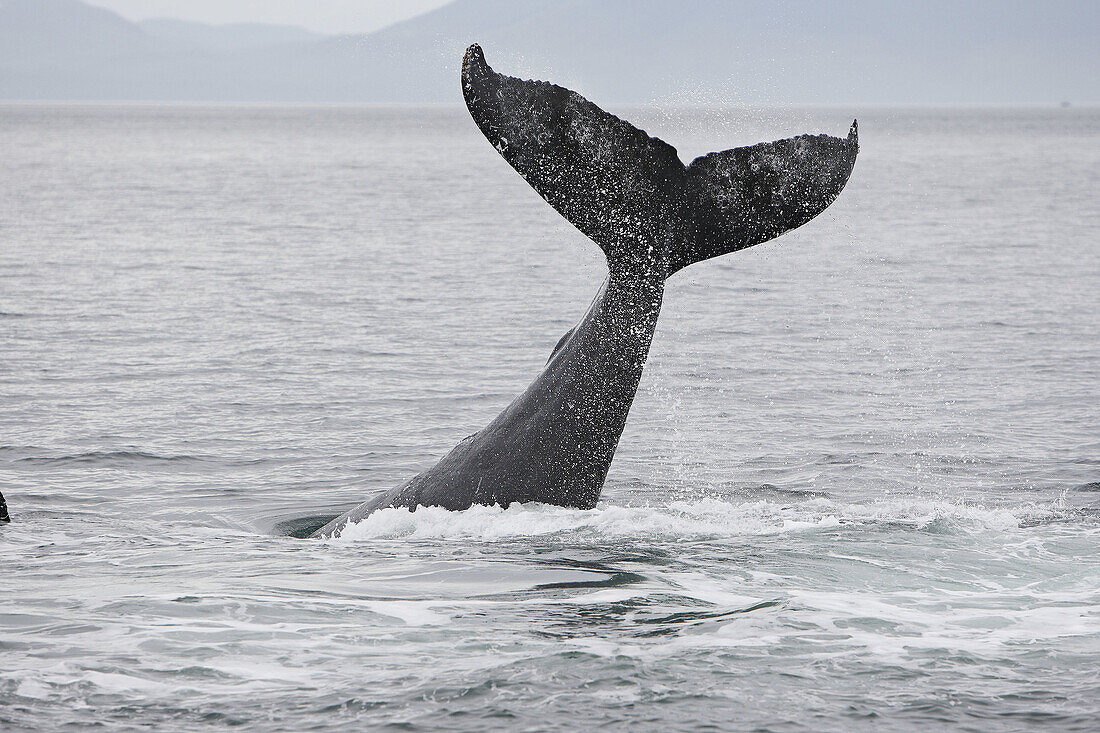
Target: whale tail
{"type": "Point", "coordinates": [630, 193]}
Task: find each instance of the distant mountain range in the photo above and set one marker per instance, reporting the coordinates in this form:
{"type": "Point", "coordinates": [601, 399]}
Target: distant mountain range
{"type": "Point", "coordinates": [224, 38]}
{"type": "Point", "coordinates": [709, 52]}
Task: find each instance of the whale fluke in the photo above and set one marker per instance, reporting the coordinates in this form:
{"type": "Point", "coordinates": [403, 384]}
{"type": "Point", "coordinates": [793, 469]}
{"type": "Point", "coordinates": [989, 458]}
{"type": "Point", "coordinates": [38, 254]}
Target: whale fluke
{"type": "Point", "coordinates": [630, 193]}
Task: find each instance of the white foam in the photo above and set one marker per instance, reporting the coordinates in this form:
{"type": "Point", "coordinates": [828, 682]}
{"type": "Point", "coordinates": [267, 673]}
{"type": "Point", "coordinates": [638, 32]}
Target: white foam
{"type": "Point", "coordinates": [702, 519]}
{"type": "Point", "coordinates": [114, 682]}
{"type": "Point", "coordinates": [412, 613]}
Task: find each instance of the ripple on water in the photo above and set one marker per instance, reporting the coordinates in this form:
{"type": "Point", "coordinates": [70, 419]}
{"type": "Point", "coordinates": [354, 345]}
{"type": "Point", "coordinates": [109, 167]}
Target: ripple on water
{"type": "Point", "coordinates": [857, 489]}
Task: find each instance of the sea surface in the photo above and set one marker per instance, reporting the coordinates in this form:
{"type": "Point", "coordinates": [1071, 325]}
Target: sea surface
{"type": "Point", "coordinates": [859, 489]}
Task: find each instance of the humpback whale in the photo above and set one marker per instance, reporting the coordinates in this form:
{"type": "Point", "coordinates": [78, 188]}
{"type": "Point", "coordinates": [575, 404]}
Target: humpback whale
{"type": "Point", "coordinates": [652, 216]}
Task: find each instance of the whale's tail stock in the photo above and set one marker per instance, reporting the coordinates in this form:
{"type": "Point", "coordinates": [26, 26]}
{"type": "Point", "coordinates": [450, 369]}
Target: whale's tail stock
{"type": "Point", "coordinates": [630, 193]}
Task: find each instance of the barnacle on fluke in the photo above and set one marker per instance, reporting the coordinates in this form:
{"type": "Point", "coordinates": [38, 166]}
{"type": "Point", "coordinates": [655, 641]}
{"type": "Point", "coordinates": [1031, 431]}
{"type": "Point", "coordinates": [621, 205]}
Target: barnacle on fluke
{"type": "Point", "coordinates": [652, 216]}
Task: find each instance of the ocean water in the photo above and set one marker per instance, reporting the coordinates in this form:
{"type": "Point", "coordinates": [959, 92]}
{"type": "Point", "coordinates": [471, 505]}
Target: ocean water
{"type": "Point", "coordinates": [859, 488]}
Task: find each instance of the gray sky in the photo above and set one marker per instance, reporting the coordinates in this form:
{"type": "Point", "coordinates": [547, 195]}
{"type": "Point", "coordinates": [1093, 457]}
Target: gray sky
{"type": "Point", "coordinates": [326, 16]}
